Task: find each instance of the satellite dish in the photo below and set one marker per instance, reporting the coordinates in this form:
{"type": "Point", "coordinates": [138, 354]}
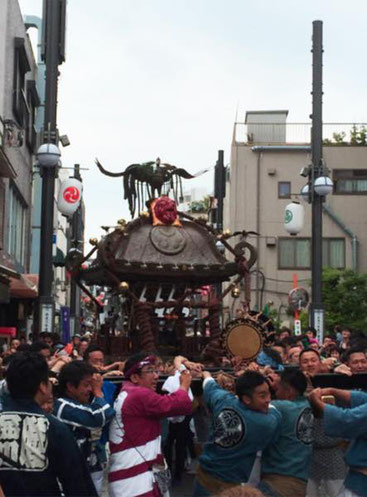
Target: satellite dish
{"type": "Point", "coordinates": [298, 298]}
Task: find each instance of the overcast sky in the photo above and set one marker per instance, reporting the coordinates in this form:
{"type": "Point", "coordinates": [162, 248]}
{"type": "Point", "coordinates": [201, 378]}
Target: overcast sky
{"type": "Point", "coordinates": [149, 78]}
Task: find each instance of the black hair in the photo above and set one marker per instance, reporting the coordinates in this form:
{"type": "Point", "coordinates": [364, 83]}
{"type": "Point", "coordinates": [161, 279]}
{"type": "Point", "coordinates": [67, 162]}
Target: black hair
{"type": "Point", "coordinates": [329, 349]}
{"type": "Point", "coordinates": [291, 341]}
{"type": "Point", "coordinates": [134, 359]}
{"type": "Point", "coordinates": [92, 348]}
{"type": "Point", "coordinates": [308, 350]}
{"type": "Point", "coordinates": [313, 331]}
{"type": "Point", "coordinates": [273, 354]}
{"type": "Point", "coordinates": [38, 346]}
{"type": "Point", "coordinates": [26, 371]}
{"type": "Point", "coordinates": [24, 347]}
{"type": "Point", "coordinates": [280, 343]}
{"type": "Point", "coordinates": [294, 378]}
{"type": "Point", "coordinates": [74, 373]}
{"type": "Point", "coordinates": [352, 350]}
{"type": "Point", "coordinates": [247, 382]}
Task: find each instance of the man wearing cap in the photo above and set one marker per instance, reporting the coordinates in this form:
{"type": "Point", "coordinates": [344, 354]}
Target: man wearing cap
{"type": "Point", "coordinates": [135, 432]}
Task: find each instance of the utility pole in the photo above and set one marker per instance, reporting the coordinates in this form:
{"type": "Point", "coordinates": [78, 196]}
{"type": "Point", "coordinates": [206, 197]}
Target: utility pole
{"type": "Point", "coordinates": [220, 188]}
{"type": "Point", "coordinates": [219, 193]}
{"type": "Point", "coordinates": [53, 55]}
{"type": "Point", "coordinates": [317, 309]}
{"type": "Point", "coordinates": [76, 242]}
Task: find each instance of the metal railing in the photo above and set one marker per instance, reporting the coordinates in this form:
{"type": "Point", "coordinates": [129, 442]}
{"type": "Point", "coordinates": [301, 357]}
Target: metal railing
{"type": "Point", "coordinates": [299, 133]}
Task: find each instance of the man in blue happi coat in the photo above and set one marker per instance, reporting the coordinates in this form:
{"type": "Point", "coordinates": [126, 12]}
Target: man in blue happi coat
{"type": "Point", "coordinates": [242, 425]}
{"type": "Point", "coordinates": [285, 462]}
{"type": "Point", "coordinates": [351, 424]}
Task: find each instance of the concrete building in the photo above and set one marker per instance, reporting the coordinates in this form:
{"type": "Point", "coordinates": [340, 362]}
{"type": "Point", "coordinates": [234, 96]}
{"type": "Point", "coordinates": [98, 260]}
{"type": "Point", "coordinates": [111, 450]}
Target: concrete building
{"type": "Point", "coordinates": [267, 155]}
{"type": "Point", "coordinates": [18, 103]}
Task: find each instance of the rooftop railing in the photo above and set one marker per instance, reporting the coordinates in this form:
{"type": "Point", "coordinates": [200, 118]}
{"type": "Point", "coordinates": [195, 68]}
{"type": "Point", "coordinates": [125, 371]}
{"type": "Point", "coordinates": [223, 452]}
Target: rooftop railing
{"type": "Point", "coordinates": [300, 133]}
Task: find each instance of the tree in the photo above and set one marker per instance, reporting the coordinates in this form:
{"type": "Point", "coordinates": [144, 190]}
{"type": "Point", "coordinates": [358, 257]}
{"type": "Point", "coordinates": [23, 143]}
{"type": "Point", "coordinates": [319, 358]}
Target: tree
{"type": "Point", "coordinates": [344, 295]}
{"type": "Point", "coordinates": [202, 205]}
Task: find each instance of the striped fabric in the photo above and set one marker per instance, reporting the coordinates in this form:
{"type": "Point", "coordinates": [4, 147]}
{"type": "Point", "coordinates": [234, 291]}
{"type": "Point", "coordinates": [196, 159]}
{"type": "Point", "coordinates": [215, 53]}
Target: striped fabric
{"type": "Point", "coordinates": [135, 438]}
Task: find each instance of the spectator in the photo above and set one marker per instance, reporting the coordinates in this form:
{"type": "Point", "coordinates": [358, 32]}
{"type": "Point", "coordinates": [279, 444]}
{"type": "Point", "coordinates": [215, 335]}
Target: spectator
{"type": "Point", "coordinates": [46, 338]}
{"type": "Point", "coordinates": [293, 354]}
{"type": "Point", "coordinates": [285, 333]}
{"type": "Point", "coordinates": [355, 361]}
{"type": "Point", "coordinates": [281, 348]}
{"type": "Point", "coordinates": [94, 356]}
{"type": "Point", "coordinates": [39, 457]}
{"type": "Point", "coordinates": [83, 345]}
{"type": "Point", "coordinates": [346, 336]}
{"type": "Point", "coordinates": [332, 351]}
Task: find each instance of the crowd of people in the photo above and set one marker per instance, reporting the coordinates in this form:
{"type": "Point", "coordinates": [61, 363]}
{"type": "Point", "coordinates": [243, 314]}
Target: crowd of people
{"type": "Point", "coordinates": [246, 429]}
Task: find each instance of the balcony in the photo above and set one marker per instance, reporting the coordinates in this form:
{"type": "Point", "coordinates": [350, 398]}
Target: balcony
{"type": "Point", "coordinates": [345, 134]}
{"type": "Point", "coordinates": [6, 169]}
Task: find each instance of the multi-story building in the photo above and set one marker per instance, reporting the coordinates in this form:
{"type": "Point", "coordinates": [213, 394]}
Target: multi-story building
{"type": "Point", "coordinates": [267, 156]}
{"type": "Point", "coordinates": [18, 103]}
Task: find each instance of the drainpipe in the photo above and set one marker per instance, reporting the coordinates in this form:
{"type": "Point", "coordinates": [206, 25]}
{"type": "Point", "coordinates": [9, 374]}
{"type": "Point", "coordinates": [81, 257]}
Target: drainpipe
{"type": "Point", "coordinates": [259, 155]}
{"type": "Point", "coordinates": [347, 231]}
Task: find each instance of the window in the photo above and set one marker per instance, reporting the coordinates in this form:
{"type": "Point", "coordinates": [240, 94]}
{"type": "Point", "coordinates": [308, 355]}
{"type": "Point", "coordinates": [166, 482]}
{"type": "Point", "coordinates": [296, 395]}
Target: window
{"type": "Point", "coordinates": [21, 67]}
{"type": "Point", "coordinates": [333, 252]}
{"type": "Point", "coordinates": [284, 189]}
{"type": "Point", "coordinates": [33, 102]}
{"type": "Point", "coordinates": [295, 253]}
{"type": "Point", "coordinates": [17, 224]}
{"type": "Point", "coordinates": [350, 181]}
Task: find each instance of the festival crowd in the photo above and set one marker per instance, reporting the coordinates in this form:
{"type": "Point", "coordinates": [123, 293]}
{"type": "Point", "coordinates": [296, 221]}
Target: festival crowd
{"type": "Point", "coordinates": [245, 429]}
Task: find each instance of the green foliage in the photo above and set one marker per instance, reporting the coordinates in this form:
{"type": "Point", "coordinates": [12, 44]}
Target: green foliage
{"type": "Point", "coordinates": [344, 296]}
{"type": "Point", "coordinates": [339, 138]}
{"type": "Point", "coordinates": [202, 205]}
{"type": "Point", "coordinates": [358, 137]}
{"type": "Point", "coordinates": [273, 315]}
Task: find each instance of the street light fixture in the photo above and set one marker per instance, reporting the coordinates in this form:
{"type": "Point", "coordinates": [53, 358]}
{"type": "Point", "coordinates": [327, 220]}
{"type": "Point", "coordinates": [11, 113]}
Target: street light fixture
{"type": "Point", "coordinates": [323, 185]}
{"type": "Point", "coordinates": [48, 155]}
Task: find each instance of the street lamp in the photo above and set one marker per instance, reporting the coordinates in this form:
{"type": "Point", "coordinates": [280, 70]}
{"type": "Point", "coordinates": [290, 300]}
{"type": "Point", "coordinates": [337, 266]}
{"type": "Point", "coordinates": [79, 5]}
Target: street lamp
{"type": "Point", "coordinates": [48, 157]}
{"type": "Point", "coordinates": [323, 185]}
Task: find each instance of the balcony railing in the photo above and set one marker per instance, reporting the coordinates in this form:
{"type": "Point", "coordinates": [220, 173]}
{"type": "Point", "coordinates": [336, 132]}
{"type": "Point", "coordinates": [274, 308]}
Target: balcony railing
{"type": "Point", "coordinates": [299, 133]}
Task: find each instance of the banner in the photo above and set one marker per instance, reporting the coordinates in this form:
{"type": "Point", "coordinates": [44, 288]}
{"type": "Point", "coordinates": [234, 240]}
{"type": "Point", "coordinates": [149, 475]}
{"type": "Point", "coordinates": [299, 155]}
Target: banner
{"type": "Point", "coordinates": [65, 323]}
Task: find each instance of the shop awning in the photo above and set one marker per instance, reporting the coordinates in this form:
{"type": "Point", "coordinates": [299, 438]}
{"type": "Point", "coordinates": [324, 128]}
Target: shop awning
{"type": "Point", "coordinates": [26, 287]}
